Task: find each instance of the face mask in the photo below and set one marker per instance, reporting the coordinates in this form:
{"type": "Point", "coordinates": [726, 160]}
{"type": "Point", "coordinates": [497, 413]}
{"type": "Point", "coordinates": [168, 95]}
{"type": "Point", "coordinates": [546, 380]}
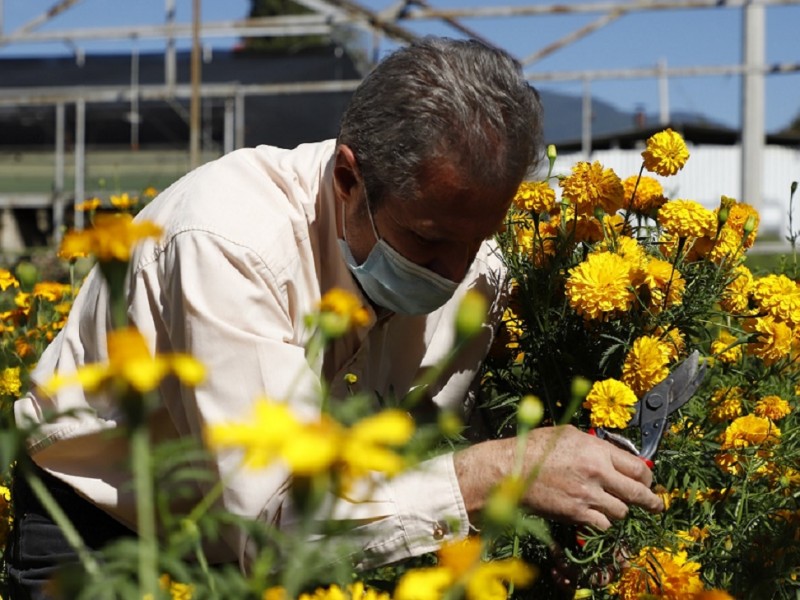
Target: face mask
{"type": "Point", "coordinates": [392, 281]}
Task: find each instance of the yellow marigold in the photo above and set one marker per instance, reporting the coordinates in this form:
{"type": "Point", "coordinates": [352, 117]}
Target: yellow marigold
{"type": "Point", "coordinates": [7, 280]}
{"type": "Point", "coordinates": [772, 407]}
{"type": "Point", "coordinates": [150, 192]}
{"type": "Point", "coordinates": [590, 186]}
{"type": "Point", "coordinates": [738, 215]}
{"type": "Point", "coordinates": [546, 244]}
{"type": "Point", "coordinates": [750, 430]}
{"type": "Point", "coordinates": [687, 218]}
{"type": "Point", "coordinates": [694, 534]}
{"type": "Point", "coordinates": [460, 566]}
{"type": "Point", "coordinates": [649, 195]}
{"type": "Point", "coordinates": [725, 404]}
{"type": "Point", "coordinates": [89, 204]}
{"type": "Point", "coordinates": [625, 246]}
{"type": "Point", "coordinates": [666, 153]}
{"type": "Point", "coordinates": [340, 311]}
{"type": "Point", "coordinates": [773, 339]}
{"type": "Point", "coordinates": [736, 296]}
{"type": "Point", "coordinates": [724, 350]}
{"type": "Point", "coordinates": [535, 197]}
{"type": "Point", "coordinates": [524, 234]}
{"type": "Point", "coordinates": [601, 286]}
{"type": "Point", "coordinates": [130, 362]}
{"type": "Point", "coordinates": [779, 296]}
{"type": "Point", "coordinates": [660, 573]}
{"type": "Point", "coordinates": [111, 238]}
{"type": "Point", "coordinates": [645, 364]}
{"type": "Point", "coordinates": [673, 339]}
{"type": "Point", "coordinates": [51, 290]}
{"type": "Point", "coordinates": [726, 249]}
{"type": "Point", "coordinates": [9, 381]}
{"type": "Point", "coordinates": [665, 284]}
{"type": "Point", "coordinates": [6, 514]}
{"type": "Point", "coordinates": [354, 591]}
{"type": "Point", "coordinates": [581, 228]}
{"type": "Point", "coordinates": [123, 201]}
{"type": "Point", "coordinates": [610, 403]}
{"type": "Point", "coordinates": [176, 590]}
{"type": "Point", "coordinates": [713, 595]}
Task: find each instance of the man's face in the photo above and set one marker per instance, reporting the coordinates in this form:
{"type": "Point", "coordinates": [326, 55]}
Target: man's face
{"type": "Point", "coordinates": [442, 230]}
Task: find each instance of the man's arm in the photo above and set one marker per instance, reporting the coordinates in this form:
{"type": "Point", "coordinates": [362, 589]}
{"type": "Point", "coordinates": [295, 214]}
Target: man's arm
{"type": "Point", "coordinates": [581, 479]}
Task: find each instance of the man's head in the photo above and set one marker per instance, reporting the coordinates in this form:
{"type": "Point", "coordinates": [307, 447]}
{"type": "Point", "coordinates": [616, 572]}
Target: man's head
{"type": "Point", "coordinates": [441, 100]}
{"type": "Point", "coordinates": [434, 144]}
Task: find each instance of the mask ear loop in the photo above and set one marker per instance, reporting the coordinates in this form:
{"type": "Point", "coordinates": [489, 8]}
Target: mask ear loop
{"type": "Point", "coordinates": [369, 214]}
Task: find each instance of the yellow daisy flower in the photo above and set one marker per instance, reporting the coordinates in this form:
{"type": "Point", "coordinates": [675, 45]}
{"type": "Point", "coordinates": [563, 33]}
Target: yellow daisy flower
{"type": "Point", "coordinates": [687, 218]}
{"type": "Point", "coordinates": [590, 186]}
{"type": "Point", "coordinates": [666, 153]}
{"type": "Point", "coordinates": [645, 365]}
{"type": "Point", "coordinates": [535, 197]}
{"type": "Point", "coordinates": [460, 566]}
{"type": "Point", "coordinates": [130, 362]}
{"type": "Point", "coordinates": [601, 286]}
{"type": "Point", "coordinates": [660, 573]}
{"type": "Point", "coordinates": [649, 195]}
{"type": "Point", "coordinates": [111, 238]}
{"type": "Point", "coordinates": [610, 403]}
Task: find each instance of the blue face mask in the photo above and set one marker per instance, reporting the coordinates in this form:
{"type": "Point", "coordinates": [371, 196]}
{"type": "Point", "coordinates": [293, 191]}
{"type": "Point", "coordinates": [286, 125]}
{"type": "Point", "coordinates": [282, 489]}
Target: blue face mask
{"type": "Point", "coordinates": [392, 281]}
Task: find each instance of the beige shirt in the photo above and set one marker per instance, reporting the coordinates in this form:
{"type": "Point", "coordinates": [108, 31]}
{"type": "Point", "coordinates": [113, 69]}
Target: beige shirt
{"type": "Point", "coordinates": [249, 247]}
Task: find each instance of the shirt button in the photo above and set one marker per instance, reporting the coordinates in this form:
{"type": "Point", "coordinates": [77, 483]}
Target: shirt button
{"type": "Point", "coordinates": [440, 529]}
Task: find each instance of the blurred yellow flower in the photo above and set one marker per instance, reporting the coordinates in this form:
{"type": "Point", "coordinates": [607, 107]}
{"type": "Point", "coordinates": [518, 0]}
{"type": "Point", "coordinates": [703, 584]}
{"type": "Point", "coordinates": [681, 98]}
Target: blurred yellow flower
{"type": "Point", "coordinates": [340, 311]}
{"type": "Point", "coordinates": [51, 290]}
{"type": "Point", "coordinates": [460, 566]}
{"type": "Point", "coordinates": [130, 362]}
{"type": "Point", "coordinates": [176, 590]}
{"type": "Point", "coordinates": [694, 534]}
{"type": "Point", "coordinates": [772, 407]}
{"type": "Point", "coordinates": [535, 197]}
{"type": "Point", "coordinates": [150, 192]}
{"type": "Point", "coordinates": [660, 574]}
{"type": "Point", "coordinates": [354, 591]}
{"type": "Point", "coordinates": [601, 286]}
{"type": "Point", "coordinates": [273, 433]}
{"type": "Point", "coordinates": [6, 513]}
{"type": "Point", "coordinates": [590, 186]}
{"type": "Point", "coordinates": [9, 381]}
{"type": "Point", "coordinates": [89, 204]}
{"type": "Point", "coordinates": [646, 364]}
{"type": "Point", "coordinates": [123, 201]}
{"type": "Point", "coordinates": [610, 403]}
{"type": "Point", "coordinates": [666, 153]}
{"type": "Point", "coordinates": [687, 218]}
{"type": "Point", "coordinates": [7, 280]}
{"type": "Point", "coordinates": [111, 238]}
{"type": "Point", "coordinates": [649, 194]}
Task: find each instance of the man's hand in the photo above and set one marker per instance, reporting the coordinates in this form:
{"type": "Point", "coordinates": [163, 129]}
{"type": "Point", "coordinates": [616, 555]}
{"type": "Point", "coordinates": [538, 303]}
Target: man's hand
{"type": "Point", "coordinates": [581, 479]}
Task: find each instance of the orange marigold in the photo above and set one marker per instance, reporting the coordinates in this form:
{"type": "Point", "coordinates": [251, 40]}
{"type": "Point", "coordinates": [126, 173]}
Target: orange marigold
{"type": "Point", "coordinates": [662, 574]}
{"type": "Point", "coordinates": [590, 186]}
{"type": "Point", "coordinates": [772, 407]}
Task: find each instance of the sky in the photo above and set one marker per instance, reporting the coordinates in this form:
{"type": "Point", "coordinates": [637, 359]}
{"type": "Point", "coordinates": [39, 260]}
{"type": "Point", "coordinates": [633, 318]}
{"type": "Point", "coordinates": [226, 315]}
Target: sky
{"type": "Point", "coordinates": [642, 39]}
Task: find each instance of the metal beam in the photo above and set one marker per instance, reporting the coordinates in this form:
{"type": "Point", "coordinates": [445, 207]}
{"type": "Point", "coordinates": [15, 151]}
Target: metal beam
{"type": "Point", "coordinates": [573, 37]}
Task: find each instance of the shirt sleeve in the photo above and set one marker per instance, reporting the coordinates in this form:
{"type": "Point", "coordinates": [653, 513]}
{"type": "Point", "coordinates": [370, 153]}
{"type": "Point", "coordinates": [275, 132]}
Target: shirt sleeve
{"type": "Point", "coordinates": [226, 306]}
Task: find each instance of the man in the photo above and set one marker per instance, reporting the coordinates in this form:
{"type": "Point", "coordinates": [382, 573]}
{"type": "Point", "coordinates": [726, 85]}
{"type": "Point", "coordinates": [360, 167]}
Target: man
{"type": "Point", "coordinates": [399, 210]}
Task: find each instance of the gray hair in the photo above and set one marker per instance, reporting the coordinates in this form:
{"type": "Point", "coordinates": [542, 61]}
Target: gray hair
{"type": "Point", "coordinates": [440, 99]}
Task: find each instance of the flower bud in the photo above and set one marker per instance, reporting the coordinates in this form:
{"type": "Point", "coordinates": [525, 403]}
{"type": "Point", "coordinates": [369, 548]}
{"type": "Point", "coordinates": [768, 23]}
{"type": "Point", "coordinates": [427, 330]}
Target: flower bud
{"type": "Point", "coordinates": [450, 424]}
{"type": "Point", "coordinates": [749, 225]}
{"type": "Point", "coordinates": [471, 314]}
{"type": "Point", "coordinates": [530, 411]}
{"type": "Point", "coordinates": [580, 387]}
{"type": "Point", "coordinates": [552, 154]}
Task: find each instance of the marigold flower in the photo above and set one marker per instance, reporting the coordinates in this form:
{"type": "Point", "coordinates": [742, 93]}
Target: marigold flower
{"type": "Point", "coordinates": [89, 204]}
{"type": "Point", "coordinates": [713, 595]}
{"type": "Point", "coordinates": [649, 195]}
{"type": "Point", "coordinates": [673, 338]}
{"type": "Point", "coordinates": [660, 573]}
{"type": "Point", "coordinates": [772, 407]}
{"type": "Point", "coordinates": [176, 590]}
{"type": "Point", "coordinates": [773, 339]}
{"type": "Point", "coordinates": [779, 296]}
{"type": "Point", "coordinates": [666, 153]}
{"type": "Point", "coordinates": [535, 197]}
{"type": "Point", "coordinates": [354, 591]}
{"type": "Point", "coordinates": [590, 186]}
{"type": "Point", "coordinates": [738, 215]}
{"type": "Point", "coordinates": [10, 383]}
{"type": "Point", "coordinates": [665, 284]}
{"type": "Point", "coordinates": [111, 238]}
{"type": "Point", "coordinates": [130, 361]}
{"type": "Point", "coordinates": [645, 364]}
{"type": "Point", "coordinates": [750, 430]}
{"type": "Point", "coordinates": [460, 565]}
{"type": "Point", "coordinates": [51, 290]}
{"type": "Point", "coordinates": [6, 513]}
{"type": "Point", "coordinates": [687, 218]}
{"type": "Point", "coordinates": [581, 228]}
{"type": "Point", "coordinates": [736, 296]}
{"type": "Point", "coordinates": [7, 280]}
{"type": "Point", "coordinates": [725, 404]}
{"type": "Point", "coordinates": [610, 403]}
{"type": "Point", "coordinates": [694, 534]}
{"type": "Point", "coordinates": [340, 311]}
{"type": "Point", "coordinates": [150, 192]}
{"type": "Point", "coordinates": [723, 349]}
{"type": "Point", "coordinates": [123, 201]}
{"type": "Point", "coordinates": [601, 286]}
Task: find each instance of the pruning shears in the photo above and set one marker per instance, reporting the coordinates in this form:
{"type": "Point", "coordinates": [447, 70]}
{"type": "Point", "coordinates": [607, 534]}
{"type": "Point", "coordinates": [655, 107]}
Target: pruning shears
{"type": "Point", "coordinates": [652, 410]}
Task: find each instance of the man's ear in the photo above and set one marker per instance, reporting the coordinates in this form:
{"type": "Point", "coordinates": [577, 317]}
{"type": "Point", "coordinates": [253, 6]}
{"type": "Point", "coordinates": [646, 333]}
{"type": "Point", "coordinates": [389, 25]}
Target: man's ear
{"type": "Point", "coordinates": [346, 176]}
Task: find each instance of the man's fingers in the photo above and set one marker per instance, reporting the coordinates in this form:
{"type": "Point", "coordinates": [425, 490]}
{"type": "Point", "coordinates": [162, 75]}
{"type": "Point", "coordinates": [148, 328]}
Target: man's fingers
{"type": "Point", "coordinates": [631, 466]}
{"type": "Point", "coordinates": [631, 490]}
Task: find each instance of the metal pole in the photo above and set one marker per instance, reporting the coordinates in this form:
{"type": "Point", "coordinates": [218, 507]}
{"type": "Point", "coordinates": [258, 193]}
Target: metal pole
{"type": "Point", "coordinates": [239, 119]}
{"type": "Point", "coordinates": [663, 93]}
{"type": "Point", "coordinates": [194, 106]}
{"type": "Point", "coordinates": [586, 120]}
{"type": "Point", "coordinates": [169, 55]}
{"type": "Point", "coordinates": [58, 180]}
{"type": "Point", "coordinates": [80, 159]}
{"type": "Point", "coordinates": [134, 116]}
{"type": "Point", "coordinates": [752, 170]}
{"type": "Point", "coordinates": [228, 129]}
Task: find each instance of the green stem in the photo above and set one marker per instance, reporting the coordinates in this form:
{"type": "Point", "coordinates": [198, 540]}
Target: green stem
{"type": "Point", "coordinates": [145, 514]}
